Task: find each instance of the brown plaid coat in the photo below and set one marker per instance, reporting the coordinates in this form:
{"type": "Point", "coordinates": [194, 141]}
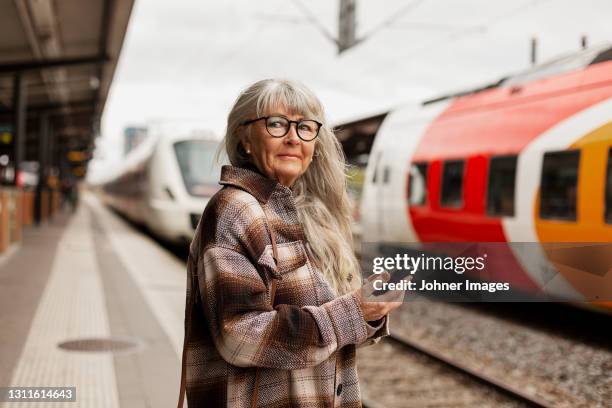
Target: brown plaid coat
{"type": "Point", "coordinates": [304, 346]}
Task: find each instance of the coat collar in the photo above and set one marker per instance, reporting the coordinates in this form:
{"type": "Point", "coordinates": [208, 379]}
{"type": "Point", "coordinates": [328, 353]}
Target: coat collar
{"type": "Point", "coordinates": [250, 179]}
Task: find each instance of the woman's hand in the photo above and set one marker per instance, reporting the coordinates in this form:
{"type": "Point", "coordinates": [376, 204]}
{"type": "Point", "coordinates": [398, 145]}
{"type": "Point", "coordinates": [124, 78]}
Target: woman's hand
{"type": "Point", "coordinates": [376, 307]}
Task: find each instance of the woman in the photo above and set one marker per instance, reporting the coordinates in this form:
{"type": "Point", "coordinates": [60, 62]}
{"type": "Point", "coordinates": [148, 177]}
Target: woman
{"type": "Point", "coordinates": [277, 306]}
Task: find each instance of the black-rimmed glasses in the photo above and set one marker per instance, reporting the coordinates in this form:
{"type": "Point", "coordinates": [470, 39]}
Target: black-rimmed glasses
{"type": "Point", "coordinates": [278, 126]}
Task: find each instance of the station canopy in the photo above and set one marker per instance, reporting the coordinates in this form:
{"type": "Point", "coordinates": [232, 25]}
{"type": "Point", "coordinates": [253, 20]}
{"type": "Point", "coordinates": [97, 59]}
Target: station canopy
{"type": "Point", "coordinates": [62, 54]}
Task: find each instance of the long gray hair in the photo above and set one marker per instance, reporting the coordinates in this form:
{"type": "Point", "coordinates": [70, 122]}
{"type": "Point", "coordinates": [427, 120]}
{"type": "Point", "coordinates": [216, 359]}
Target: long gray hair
{"type": "Point", "coordinates": [320, 194]}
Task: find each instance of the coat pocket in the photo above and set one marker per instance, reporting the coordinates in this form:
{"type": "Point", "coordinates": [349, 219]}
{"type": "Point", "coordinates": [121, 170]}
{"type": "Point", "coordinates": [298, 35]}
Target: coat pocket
{"type": "Point", "coordinates": [291, 256]}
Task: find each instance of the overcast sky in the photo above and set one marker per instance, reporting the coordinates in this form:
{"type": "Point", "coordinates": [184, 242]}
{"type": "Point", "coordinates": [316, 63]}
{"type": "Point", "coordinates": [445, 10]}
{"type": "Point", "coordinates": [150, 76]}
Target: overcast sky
{"type": "Point", "coordinates": [187, 60]}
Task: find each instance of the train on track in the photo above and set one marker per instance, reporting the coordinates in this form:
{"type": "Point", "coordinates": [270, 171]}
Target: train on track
{"type": "Point", "coordinates": [525, 162]}
{"type": "Point", "coordinates": [165, 183]}
{"type": "Point", "coordinates": [522, 166]}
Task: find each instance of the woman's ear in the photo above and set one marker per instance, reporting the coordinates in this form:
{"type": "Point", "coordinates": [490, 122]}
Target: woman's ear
{"type": "Point", "coordinates": [246, 144]}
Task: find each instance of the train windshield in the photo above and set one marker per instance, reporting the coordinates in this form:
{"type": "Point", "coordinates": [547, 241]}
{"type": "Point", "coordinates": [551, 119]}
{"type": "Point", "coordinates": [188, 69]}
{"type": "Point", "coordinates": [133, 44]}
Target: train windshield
{"type": "Point", "coordinates": [198, 168]}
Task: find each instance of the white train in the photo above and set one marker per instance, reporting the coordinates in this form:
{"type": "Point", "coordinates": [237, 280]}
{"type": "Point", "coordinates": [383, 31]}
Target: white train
{"type": "Point", "coordinates": [165, 183]}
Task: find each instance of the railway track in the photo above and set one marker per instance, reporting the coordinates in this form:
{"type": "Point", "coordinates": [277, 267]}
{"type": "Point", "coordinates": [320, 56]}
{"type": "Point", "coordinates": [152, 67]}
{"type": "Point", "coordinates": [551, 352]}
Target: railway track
{"type": "Point", "coordinates": [508, 390]}
{"type": "Point", "coordinates": [393, 375]}
{"type": "Point", "coordinates": [441, 355]}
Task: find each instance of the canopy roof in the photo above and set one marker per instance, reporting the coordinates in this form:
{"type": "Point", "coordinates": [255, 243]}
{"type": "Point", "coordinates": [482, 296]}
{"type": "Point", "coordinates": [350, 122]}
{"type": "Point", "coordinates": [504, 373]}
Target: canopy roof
{"type": "Point", "coordinates": [65, 53]}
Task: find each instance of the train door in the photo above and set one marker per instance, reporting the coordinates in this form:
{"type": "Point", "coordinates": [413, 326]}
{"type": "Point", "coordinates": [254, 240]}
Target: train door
{"type": "Point", "coordinates": [386, 203]}
{"type": "Point", "coordinates": [380, 190]}
{"type": "Point", "coordinates": [395, 226]}
{"type": "Point", "coordinates": [370, 211]}
{"type": "Point", "coordinates": [384, 208]}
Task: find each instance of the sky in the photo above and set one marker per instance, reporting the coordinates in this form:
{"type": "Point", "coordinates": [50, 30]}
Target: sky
{"type": "Point", "coordinates": [185, 62]}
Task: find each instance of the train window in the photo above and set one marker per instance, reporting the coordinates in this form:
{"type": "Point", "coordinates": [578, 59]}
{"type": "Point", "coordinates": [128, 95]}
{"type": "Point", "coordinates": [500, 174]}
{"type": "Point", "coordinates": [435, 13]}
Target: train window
{"type": "Point", "coordinates": [417, 184]}
{"type": "Point", "coordinates": [502, 175]}
{"type": "Point", "coordinates": [609, 188]}
{"type": "Point", "coordinates": [386, 174]}
{"type": "Point", "coordinates": [452, 184]}
{"type": "Point", "coordinates": [559, 185]}
{"type": "Point", "coordinates": [376, 164]}
{"type": "Point", "coordinates": [196, 163]}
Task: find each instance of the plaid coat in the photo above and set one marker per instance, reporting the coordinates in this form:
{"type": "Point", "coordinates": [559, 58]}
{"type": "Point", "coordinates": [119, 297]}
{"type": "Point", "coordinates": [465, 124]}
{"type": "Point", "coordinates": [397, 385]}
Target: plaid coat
{"type": "Point", "coordinates": [304, 346]}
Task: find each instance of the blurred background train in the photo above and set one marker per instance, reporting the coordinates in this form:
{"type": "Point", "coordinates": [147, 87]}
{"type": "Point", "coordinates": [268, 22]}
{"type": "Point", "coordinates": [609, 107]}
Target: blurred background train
{"type": "Point", "coordinates": [525, 160]}
{"type": "Point", "coordinates": [165, 183]}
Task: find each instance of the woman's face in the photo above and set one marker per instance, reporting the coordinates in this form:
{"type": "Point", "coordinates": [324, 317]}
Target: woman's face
{"type": "Point", "coordinates": [281, 158]}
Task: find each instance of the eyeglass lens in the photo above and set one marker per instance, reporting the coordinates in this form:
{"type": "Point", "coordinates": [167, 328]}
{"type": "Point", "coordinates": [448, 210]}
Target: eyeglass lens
{"type": "Point", "coordinates": [278, 126]}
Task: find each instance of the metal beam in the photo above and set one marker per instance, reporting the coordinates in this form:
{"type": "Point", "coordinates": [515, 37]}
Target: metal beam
{"type": "Point", "coordinates": [38, 89]}
{"type": "Point", "coordinates": [21, 66]}
{"type": "Point", "coordinates": [103, 45]}
{"type": "Point", "coordinates": [85, 103]}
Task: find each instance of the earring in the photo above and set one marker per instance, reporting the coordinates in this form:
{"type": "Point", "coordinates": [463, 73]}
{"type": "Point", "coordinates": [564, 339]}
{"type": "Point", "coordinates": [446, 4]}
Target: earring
{"type": "Point", "coordinates": [248, 151]}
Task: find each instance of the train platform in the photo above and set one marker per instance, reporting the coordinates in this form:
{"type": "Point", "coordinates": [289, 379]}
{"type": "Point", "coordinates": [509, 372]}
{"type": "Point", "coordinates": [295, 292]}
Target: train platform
{"type": "Point", "coordinates": [91, 303]}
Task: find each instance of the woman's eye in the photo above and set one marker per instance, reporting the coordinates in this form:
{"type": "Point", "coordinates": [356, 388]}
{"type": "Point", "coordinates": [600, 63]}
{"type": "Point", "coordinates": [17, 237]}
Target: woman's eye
{"type": "Point", "coordinates": [306, 127]}
{"type": "Point", "coordinates": [276, 123]}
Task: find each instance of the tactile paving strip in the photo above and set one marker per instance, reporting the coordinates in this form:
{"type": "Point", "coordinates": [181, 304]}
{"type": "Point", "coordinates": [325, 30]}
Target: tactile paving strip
{"type": "Point", "coordinates": [72, 306]}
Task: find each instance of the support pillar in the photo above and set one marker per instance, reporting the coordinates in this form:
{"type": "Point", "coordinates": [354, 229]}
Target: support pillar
{"type": "Point", "coordinates": [4, 221]}
{"type": "Point", "coordinates": [19, 122]}
{"type": "Point", "coordinates": [43, 155]}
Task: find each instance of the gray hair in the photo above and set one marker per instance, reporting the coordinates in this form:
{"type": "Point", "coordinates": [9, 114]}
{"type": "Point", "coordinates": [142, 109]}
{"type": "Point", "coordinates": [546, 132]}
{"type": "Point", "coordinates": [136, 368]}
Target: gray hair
{"type": "Point", "coordinates": [320, 194]}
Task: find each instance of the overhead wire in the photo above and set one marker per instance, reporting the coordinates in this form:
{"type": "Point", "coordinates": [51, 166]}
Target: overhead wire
{"type": "Point", "coordinates": [459, 34]}
{"type": "Point", "coordinates": [315, 22]}
{"type": "Point", "coordinates": [391, 19]}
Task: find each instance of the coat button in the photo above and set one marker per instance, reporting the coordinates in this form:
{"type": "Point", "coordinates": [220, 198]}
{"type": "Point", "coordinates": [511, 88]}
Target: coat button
{"type": "Point", "coordinates": [339, 389]}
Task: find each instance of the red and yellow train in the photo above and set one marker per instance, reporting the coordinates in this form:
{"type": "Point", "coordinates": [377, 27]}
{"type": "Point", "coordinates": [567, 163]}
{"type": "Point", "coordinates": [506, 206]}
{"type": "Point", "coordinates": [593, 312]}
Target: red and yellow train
{"type": "Point", "coordinates": [527, 160]}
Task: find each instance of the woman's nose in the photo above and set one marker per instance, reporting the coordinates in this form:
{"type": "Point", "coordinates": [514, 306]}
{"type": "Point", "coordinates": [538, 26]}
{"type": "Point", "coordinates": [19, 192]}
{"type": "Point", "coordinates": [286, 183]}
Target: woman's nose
{"type": "Point", "coordinates": [292, 136]}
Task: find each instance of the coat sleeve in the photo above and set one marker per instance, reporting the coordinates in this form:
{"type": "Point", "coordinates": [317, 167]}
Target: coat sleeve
{"type": "Point", "coordinates": [248, 332]}
{"type": "Point", "coordinates": [376, 332]}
